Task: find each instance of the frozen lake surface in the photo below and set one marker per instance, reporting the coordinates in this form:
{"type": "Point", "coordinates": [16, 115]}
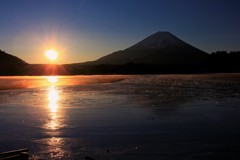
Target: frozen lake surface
{"type": "Point", "coordinates": [122, 117]}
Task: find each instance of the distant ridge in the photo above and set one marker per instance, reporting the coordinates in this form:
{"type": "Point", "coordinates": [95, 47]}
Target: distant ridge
{"type": "Point", "coordinates": [161, 48]}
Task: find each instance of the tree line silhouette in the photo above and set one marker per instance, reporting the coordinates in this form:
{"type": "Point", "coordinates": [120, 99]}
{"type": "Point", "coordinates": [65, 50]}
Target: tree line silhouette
{"type": "Point", "coordinates": [219, 61]}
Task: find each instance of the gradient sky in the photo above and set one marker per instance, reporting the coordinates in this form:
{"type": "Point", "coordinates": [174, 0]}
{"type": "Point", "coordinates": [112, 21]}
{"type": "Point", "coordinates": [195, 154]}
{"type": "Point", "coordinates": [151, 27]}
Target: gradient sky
{"type": "Point", "coordinates": [83, 30]}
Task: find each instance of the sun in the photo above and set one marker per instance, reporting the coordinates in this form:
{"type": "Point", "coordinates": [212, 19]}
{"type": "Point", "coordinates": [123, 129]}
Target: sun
{"type": "Point", "coordinates": [51, 54]}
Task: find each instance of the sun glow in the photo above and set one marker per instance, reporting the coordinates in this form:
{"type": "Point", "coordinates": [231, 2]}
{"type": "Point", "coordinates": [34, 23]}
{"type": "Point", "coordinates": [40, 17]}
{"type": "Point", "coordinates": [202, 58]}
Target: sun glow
{"type": "Point", "coordinates": [51, 54]}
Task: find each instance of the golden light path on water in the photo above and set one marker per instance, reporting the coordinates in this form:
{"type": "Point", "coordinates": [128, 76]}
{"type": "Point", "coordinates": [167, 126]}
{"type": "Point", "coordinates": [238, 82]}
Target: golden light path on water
{"type": "Point", "coordinates": [53, 97]}
{"type": "Point", "coordinates": [55, 120]}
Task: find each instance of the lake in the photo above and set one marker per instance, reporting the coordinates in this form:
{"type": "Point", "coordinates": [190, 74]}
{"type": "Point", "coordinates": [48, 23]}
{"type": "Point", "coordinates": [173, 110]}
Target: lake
{"type": "Point", "coordinates": [122, 116]}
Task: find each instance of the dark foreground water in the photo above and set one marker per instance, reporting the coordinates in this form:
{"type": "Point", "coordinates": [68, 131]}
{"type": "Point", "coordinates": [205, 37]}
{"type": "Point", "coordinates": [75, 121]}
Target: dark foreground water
{"type": "Point", "coordinates": [152, 117]}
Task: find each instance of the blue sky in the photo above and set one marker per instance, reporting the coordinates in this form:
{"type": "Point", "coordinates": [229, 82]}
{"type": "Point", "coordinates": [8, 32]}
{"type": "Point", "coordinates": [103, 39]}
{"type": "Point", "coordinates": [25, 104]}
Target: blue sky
{"type": "Point", "coordinates": [82, 30]}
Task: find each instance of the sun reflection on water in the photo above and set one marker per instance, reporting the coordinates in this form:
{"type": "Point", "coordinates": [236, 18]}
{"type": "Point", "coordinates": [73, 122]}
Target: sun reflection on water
{"type": "Point", "coordinates": [57, 147]}
{"type": "Point", "coordinates": [53, 96]}
{"type": "Point", "coordinates": [55, 120]}
{"type": "Point", "coordinates": [52, 79]}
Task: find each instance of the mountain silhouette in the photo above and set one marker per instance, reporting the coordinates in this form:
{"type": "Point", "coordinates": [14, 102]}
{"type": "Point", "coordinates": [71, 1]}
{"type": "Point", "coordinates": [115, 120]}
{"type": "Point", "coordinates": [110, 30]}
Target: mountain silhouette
{"type": "Point", "coordinates": [10, 65]}
{"type": "Point", "coordinates": [161, 48]}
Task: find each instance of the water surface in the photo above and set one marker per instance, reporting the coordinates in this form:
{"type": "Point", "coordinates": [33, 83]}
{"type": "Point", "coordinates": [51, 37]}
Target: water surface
{"type": "Point", "coordinates": [122, 117]}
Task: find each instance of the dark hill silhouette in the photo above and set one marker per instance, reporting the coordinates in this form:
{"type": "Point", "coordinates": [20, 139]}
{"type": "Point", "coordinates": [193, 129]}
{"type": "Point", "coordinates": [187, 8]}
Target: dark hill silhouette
{"type": "Point", "coordinates": [10, 65]}
{"type": "Point", "coordinates": [161, 48]}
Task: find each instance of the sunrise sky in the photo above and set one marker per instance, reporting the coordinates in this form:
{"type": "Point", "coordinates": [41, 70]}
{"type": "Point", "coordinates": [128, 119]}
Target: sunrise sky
{"type": "Point", "coordinates": [83, 30]}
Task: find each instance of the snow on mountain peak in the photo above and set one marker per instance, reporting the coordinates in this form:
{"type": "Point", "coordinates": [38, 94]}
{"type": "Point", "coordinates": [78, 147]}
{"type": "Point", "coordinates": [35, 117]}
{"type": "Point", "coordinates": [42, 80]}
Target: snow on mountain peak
{"type": "Point", "coordinates": [158, 40]}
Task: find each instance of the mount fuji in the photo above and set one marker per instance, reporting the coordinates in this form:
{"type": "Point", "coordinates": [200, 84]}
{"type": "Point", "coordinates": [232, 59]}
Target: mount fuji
{"type": "Point", "coordinates": [161, 48]}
